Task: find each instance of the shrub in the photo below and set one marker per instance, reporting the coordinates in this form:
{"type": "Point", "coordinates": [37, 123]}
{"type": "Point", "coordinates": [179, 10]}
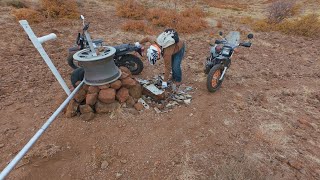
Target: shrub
{"type": "Point", "coordinates": [13, 3]}
{"type": "Point", "coordinates": [308, 26]}
{"type": "Point", "coordinates": [191, 12]}
{"type": "Point", "coordinates": [60, 8]}
{"type": "Point", "coordinates": [31, 15]}
{"type": "Point", "coordinates": [138, 26]}
{"type": "Point", "coordinates": [130, 9]}
{"type": "Point", "coordinates": [280, 10]}
{"type": "Point", "coordinates": [222, 4]}
{"type": "Point", "coordinates": [162, 17]}
{"type": "Point", "coordinates": [183, 22]}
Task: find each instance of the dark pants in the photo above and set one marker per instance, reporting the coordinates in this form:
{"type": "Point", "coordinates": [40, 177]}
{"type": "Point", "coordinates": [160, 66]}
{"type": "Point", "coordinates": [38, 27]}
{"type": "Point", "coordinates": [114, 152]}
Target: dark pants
{"type": "Point", "coordinates": [176, 65]}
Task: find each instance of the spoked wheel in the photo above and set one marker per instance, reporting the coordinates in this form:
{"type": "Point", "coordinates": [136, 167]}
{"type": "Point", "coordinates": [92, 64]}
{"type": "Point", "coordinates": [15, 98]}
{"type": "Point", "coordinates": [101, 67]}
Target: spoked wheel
{"type": "Point", "coordinates": [213, 78]}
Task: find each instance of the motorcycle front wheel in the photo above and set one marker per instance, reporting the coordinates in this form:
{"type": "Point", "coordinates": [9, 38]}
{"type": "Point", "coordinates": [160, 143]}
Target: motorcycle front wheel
{"type": "Point", "coordinates": [132, 62]}
{"type": "Point", "coordinates": [213, 82]}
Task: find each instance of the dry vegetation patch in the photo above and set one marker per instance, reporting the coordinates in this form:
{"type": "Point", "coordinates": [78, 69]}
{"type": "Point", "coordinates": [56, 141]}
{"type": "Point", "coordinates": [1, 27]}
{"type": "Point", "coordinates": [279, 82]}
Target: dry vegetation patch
{"type": "Point", "coordinates": [284, 16]}
{"type": "Point", "coordinates": [45, 9]}
{"type": "Point", "coordinates": [187, 21]}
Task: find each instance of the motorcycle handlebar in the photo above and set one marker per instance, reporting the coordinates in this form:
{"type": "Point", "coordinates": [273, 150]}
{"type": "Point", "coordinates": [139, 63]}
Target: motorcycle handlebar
{"type": "Point", "coordinates": [86, 27]}
{"type": "Point", "coordinates": [245, 44]}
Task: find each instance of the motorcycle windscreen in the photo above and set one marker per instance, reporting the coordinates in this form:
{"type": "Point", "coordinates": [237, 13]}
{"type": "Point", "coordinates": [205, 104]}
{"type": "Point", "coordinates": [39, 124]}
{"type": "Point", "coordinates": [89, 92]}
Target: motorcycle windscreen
{"type": "Point", "coordinates": [233, 38]}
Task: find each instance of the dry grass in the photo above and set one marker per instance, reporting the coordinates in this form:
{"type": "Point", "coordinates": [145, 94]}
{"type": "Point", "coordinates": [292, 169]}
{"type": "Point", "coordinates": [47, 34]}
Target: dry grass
{"type": "Point", "coordinates": [223, 4]}
{"type": "Point", "coordinates": [138, 26]}
{"type": "Point", "coordinates": [193, 12]}
{"type": "Point", "coordinates": [281, 10]}
{"type": "Point", "coordinates": [31, 15]}
{"type": "Point", "coordinates": [13, 3]}
{"type": "Point", "coordinates": [130, 9]}
{"type": "Point", "coordinates": [183, 22]}
{"type": "Point", "coordinates": [308, 26]}
{"type": "Point", "coordinates": [60, 8]}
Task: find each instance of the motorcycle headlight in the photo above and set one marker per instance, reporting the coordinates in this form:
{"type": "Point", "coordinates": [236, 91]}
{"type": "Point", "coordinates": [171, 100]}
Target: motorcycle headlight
{"type": "Point", "coordinates": [226, 51]}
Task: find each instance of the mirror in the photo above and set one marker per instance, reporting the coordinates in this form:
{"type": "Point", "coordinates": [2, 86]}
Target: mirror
{"type": "Point", "coordinates": [82, 17]}
{"type": "Point", "coordinates": [250, 36]}
{"type": "Point", "coordinates": [220, 33]}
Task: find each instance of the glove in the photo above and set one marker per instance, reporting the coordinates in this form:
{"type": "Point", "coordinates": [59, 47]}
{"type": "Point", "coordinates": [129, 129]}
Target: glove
{"type": "Point", "coordinates": [137, 44]}
{"type": "Point", "coordinates": [164, 85]}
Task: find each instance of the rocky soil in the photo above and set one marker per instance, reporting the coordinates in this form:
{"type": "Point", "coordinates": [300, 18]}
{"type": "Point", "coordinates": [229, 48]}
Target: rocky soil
{"type": "Point", "coordinates": [262, 124]}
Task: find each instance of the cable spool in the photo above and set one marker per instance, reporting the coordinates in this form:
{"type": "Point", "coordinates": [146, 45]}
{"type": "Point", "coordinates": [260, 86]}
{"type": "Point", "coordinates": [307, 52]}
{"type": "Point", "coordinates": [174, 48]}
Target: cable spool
{"type": "Point", "coordinates": [100, 69]}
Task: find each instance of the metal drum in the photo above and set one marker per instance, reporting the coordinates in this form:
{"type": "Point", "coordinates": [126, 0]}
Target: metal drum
{"type": "Point", "coordinates": [100, 69]}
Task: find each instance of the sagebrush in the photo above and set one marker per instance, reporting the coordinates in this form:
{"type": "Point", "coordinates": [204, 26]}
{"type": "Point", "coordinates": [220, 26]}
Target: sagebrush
{"type": "Point", "coordinates": [60, 8]}
{"type": "Point", "coordinates": [183, 21]}
{"type": "Point", "coordinates": [280, 10]}
{"type": "Point", "coordinates": [31, 15]}
{"type": "Point", "coordinates": [130, 9]}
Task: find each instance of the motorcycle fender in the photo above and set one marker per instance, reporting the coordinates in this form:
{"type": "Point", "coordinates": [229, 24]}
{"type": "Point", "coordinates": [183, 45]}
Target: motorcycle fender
{"type": "Point", "coordinates": [74, 49]}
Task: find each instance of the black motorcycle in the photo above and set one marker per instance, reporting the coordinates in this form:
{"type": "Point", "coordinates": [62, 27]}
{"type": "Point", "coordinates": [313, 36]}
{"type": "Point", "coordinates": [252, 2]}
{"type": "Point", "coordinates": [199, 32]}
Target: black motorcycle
{"type": "Point", "coordinates": [122, 57]}
{"type": "Point", "coordinates": [220, 58]}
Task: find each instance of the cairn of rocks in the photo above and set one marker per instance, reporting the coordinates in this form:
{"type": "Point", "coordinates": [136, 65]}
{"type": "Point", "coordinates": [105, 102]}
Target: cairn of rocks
{"type": "Point", "coordinates": [106, 98]}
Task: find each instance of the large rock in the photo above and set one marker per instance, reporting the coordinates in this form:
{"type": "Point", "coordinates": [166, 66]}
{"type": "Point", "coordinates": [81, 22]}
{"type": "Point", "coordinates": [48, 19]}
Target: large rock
{"type": "Point", "coordinates": [91, 99]}
{"type": "Point", "coordinates": [128, 82]}
{"type": "Point", "coordinates": [136, 91]}
{"type": "Point", "coordinates": [122, 95]}
{"type": "Point", "coordinates": [93, 89]}
{"type": "Point", "coordinates": [72, 109]}
{"type": "Point", "coordinates": [139, 106]}
{"type": "Point", "coordinates": [85, 109]}
{"type": "Point", "coordinates": [85, 87]}
{"type": "Point", "coordinates": [107, 95]}
{"type": "Point", "coordinates": [124, 75]}
{"type": "Point", "coordinates": [87, 116]}
{"type": "Point", "coordinates": [80, 96]}
{"type": "Point", "coordinates": [126, 70]}
{"type": "Point", "coordinates": [106, 108]}
{"type": "Point", "coordinates": [130, 101]}
{"type": "Point", "coordinates": [106, 86]}
{"type": "Point", "coordinates": [116, 85]}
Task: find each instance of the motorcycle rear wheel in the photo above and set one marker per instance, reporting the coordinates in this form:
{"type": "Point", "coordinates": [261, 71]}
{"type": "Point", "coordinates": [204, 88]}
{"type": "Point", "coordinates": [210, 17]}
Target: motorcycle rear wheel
{"type": "Point", "coordinates": [213, 82]}
{"type": "Point", "coordinates": [77, 75]}
{"type": "Point", "coordinates": [132, 62]}
{"type": "Point", "coordinates": [71, 62]}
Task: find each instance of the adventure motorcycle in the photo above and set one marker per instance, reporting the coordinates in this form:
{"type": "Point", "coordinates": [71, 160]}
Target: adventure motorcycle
{"type": "Point", "coordinates": [220, 58]}
{"type": "Point", "coordinates": [122, 57]}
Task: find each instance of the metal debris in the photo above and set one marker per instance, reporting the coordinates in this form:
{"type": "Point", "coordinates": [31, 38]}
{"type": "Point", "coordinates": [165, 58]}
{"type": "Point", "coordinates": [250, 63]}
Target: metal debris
{"type": "Point", "coordinates": [145, 105]}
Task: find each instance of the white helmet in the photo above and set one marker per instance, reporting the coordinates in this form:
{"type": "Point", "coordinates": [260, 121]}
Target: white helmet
{"type": "Point", "coordinates": [153, 54]}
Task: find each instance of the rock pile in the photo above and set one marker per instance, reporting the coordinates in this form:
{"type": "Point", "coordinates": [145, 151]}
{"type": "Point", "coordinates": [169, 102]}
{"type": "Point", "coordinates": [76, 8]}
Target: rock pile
{"type": "Point", "coordinates": [106, 98]}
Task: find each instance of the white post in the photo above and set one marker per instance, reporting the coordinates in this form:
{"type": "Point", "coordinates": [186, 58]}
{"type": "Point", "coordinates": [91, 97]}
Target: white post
{"type": "Point", "coordinates": [34, 139]}
{"type": "Point", "coordinates": [37, 43]}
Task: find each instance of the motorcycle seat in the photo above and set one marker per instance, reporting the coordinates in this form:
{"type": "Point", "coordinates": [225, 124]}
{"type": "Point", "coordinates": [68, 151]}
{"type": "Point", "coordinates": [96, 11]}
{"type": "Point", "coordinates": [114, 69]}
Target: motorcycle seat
{"type": "Point", "coordinates": [97, 41]}
{"type": "Point", "coordinates": [121, 48]}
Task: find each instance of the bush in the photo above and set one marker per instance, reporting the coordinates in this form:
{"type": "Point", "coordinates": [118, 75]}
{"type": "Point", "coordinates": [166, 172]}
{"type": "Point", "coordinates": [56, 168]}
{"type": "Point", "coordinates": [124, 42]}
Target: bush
{"type": "Point", "coordinates": [31, 15]}
{"type": "Point", "coordinates": [13, 3]}
{"type": "Point", "coordinates": [60, 8]}
{"type": "Point", "coordinates": [183, 22]}
{"type": "Point", "coordinates": [162, 17]}
{"type": "Point", "coordinates": [308, 26]}
{"type": "Point", "coordinates": [280, 10]}
{"type": "Point", "coordinates": [192, 12]}
{"type": "Point", "coordinates": [137, 26]}
{"type": "Point", "coordinates": [130, 9]}
{"type": "Point", "coordinates": [222, 4]}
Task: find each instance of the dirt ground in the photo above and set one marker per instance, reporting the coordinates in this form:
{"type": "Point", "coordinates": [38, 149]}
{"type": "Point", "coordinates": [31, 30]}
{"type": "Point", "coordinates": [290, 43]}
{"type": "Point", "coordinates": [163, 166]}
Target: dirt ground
{"type": "Point", "coordinates": [264, 123]}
